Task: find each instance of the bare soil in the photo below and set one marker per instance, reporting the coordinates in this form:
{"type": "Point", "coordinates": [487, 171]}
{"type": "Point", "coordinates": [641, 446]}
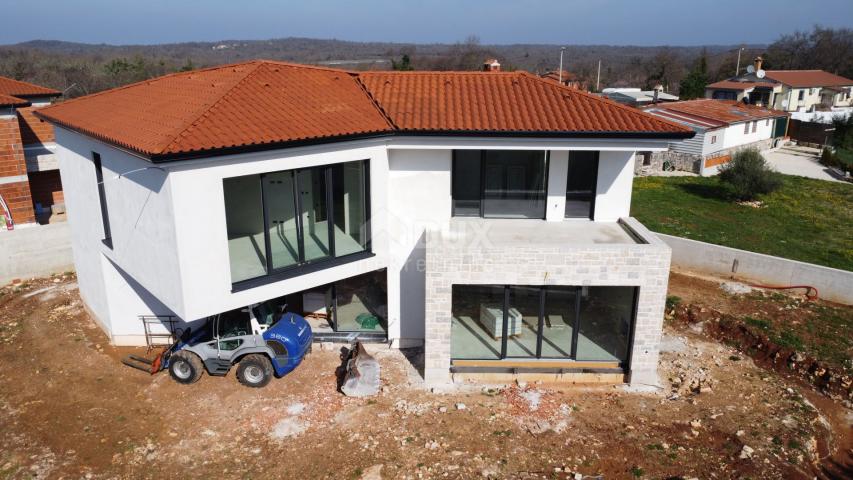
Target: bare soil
{"type": "Point", "coordinates": [70, 409]}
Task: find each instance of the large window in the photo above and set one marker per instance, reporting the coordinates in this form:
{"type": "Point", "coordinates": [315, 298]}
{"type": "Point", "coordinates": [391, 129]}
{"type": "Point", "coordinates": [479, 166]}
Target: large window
{"type": "Point", "coordinates": [281, 221]}
{"type": "Point", "coordinates": [492, 322]}
{"type": "Point", "coordinates": [499, 183]}
{"type": "Point", "coordinates": [102, 199]}
{"type": "Point", "coordinates": [581, 184]}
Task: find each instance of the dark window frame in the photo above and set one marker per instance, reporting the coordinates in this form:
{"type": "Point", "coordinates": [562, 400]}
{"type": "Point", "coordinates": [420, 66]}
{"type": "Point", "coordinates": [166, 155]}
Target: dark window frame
{"type": "Point", "coordinates": [482, 213]}
{"type": "Point", "coordinates": [543, 289]}
{"type": "Point", "coordinates": [102, 200]}
{"type": "Point", "coordinates": [594, 194]}
{"type": "Point", "coordinates": [303, 266]}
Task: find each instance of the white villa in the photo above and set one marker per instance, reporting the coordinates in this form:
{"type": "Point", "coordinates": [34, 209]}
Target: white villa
{"type": "Point", "coordinates": [483, 215]}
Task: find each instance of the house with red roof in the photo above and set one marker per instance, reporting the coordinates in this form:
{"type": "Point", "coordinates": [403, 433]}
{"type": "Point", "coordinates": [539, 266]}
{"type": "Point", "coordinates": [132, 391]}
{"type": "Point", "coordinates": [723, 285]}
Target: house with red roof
{"type": "Point", "coordinates": [722, 128]}
{"type": "Point", "coordinates": [482, 215]}
{"type": "Point", "coordinates": [30, 185]}
{"type": "Point", "coordinates": [786, 90]}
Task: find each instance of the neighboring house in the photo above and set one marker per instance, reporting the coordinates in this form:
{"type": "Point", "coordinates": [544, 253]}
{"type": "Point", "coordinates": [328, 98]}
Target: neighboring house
{"type": "Point", "coordinates": [787, 90]}
{"type": "Point", "coordinates": [722, 127]}
{"type": "Point", "coordinates": [484, 215]}
{"type": "Point", "coordinates": [567, 78]}
{"type": "Point", "coordinates": [638, 98]}
{"type": "Point", "coordinates": [29, 176]}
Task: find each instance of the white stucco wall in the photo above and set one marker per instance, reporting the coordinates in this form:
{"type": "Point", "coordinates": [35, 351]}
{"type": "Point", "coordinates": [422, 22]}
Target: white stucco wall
{"type": "Point", "coordinates": [615, 181]}
{"type": "Point", "coordinates": [419, 198]}
{"type": "Point", "coordinates": [170, 251]}
{"type": "Point", "coordinates": [143, 237]}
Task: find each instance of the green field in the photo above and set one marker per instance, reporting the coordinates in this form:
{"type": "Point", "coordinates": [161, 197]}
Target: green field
{"type": "Point", "coordinates": [807, 220]}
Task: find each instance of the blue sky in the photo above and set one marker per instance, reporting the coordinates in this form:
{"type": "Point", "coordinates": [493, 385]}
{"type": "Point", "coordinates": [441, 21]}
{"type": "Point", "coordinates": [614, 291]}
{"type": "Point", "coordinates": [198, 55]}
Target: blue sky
{"type": "Point", "coordinates": [613, 22]}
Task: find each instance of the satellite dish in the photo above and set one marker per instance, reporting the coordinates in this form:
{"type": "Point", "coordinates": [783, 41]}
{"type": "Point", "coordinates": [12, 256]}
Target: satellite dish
{"type": "Point", "coordinates": [760, 73]}
{"type": "Point", "coordinates": [750, 69]}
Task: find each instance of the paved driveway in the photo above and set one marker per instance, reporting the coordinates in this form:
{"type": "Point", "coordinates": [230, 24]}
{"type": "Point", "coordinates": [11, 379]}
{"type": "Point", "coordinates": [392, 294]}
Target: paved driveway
{"type": "Point", "coordinates": [802, 161]}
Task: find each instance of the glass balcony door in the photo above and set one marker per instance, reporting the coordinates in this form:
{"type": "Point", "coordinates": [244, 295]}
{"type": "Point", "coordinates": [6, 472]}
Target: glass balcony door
{"type": "Point", "coordinates": [581, 184]}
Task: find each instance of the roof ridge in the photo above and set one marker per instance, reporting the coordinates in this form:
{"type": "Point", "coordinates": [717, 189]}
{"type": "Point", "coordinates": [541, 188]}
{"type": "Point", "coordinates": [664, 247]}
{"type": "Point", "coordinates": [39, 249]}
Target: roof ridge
{"type": "Point", "coordinates": [375, 102]}
{"type": "Point", "coordinates": [631, 110]}
{"type": "Point", "coordinates": [438, 72]}
{"type": "Point", "coordinates": [304, 65]}
{"type": "Point", "coordinates": [206, 110]}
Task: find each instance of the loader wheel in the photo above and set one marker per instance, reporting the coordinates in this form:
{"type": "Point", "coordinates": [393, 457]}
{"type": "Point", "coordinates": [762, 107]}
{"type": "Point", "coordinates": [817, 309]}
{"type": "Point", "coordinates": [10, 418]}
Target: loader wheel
{"type": "Point", "coordinates": [185, 367]}
{"type": "Point", "coordinates": [254, 371]}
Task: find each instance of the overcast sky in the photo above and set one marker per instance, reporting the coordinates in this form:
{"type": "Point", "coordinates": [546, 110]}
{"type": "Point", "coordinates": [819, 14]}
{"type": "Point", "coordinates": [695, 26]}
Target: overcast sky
{"type": "Point", "coordinates": [612, 22]}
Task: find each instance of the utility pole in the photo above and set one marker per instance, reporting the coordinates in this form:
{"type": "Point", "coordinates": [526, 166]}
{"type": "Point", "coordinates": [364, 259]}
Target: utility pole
{"type": "Point", "coordinates": [737, 68]}
{"type": "Point", "coordinates": [562, 49]}
{"type": "Point", "coordinates": [598, 77]}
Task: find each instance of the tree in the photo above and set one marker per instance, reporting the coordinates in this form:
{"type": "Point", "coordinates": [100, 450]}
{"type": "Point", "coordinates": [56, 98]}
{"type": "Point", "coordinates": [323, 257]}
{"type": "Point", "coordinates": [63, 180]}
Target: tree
{"type": "Point", "coordinates": [693, 85]}
{"type": "Point", "coordinates": [748, 175]}
{"type": "Point", "coordinates": [822, 48]}
{"type": "Point", "coordinates": [404, 65]}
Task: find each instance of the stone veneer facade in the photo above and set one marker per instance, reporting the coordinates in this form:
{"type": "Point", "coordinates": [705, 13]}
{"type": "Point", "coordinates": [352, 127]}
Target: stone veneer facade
{"type": "Point", "coordinates": [644, 265]}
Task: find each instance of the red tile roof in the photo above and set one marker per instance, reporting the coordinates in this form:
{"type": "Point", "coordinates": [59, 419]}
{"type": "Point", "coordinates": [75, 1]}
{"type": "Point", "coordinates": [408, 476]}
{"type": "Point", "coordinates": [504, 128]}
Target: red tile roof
{"type": "Point", "coordinates": [17, 88]}
{"type": "Point", "coordinates": [500, 102]}
{"type": "Point", "coordinates": [10, 101]}
{"type": "Point", "coordinates": [265, 103]}
{"type": "Point", "coordinates": [224, 107]}
{"type": "Point", "coordinates": [716, 112]}
{"type": "Point", "coordinates": [808, 78]}
{"type": "Point", "coordinates": [735, 85]}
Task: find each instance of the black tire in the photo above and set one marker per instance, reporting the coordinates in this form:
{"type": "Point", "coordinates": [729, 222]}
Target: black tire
{"type": "Point", "coordinates": [185, 367]}
{"type": "Point", "coordinates": [254, 371]}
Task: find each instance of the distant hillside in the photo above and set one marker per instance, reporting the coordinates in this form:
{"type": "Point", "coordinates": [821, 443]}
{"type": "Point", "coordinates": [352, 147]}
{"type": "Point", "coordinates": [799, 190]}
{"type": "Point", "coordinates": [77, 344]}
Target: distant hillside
{"type": "Point", "coordinates": [92, 67]}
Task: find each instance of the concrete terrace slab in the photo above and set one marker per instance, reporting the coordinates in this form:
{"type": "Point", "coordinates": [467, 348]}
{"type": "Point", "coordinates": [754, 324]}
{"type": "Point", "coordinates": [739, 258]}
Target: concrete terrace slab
{"type": "Point", "coordinates": [525, 232]}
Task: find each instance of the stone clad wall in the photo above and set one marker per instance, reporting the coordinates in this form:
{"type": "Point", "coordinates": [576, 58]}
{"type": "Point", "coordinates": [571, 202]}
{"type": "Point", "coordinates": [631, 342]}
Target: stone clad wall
{"type": "Point", "coordinates": [688, 162]}
{"type": "Point", "coordinates": [642, 265]}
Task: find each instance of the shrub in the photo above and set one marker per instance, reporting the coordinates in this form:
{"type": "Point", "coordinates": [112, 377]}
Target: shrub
{"type": "Point", "coordinates": [749, 175]}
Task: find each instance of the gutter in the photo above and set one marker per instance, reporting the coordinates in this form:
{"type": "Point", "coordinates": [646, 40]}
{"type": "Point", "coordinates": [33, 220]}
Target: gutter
{"type": "Point", "coordinates": [218, 152]}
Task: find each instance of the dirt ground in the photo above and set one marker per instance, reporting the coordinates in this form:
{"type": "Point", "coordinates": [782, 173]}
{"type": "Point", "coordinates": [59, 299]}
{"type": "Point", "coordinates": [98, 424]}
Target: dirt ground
{"type": "Point", "coordinates": [70, 409]}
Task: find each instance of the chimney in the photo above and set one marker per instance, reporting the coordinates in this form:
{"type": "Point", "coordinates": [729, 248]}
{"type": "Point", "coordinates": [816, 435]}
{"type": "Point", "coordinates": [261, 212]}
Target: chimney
{"type": "Point", "coordinates": [491, 65]}
{"type": "Point", "coordinates": [757, 63]}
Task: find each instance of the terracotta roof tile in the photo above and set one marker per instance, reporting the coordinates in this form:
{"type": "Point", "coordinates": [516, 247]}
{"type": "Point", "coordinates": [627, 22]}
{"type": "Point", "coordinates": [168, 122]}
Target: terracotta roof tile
{"type": "Point", "coordinates": [10, 101]}
{"type": "Point", "coordinates": [808, 78]}
{"type": "Point", "coordinates": [719, 112]}
{"type": "Point", "coordinates": [17, 88]}
{"type": "Point", "coordinates": [501, 102]}
{"type": "Point", "coordinates": [271, 103]}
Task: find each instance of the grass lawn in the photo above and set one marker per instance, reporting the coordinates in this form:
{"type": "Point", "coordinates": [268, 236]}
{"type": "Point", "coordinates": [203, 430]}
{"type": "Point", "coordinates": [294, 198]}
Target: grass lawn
{"type": "Point", "coordinates": [807, 220]}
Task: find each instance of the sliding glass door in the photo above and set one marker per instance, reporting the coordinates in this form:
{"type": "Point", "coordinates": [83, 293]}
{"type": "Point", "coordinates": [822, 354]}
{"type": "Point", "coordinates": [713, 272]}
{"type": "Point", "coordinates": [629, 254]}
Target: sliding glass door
{"type": "Point", "coordinates": [499, 183]}
{"type": "Point", "coordinates": [314, 213]}
{"type": "Point", "coordinates": [283, 220]}
{"type": "Point", "coordinates": [280, 199]}
{"type": "Point", "coordinates": [493, 322]}
{"type": "Point", "coordinates": [581, 184]}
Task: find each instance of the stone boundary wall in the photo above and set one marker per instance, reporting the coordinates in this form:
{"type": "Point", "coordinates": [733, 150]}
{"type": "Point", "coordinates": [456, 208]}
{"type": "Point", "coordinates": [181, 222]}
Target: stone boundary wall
{"type": "Point", "coordinates": [832, 284]}
{"type": "Point", "coordinates": [644, 265]}
{"type": "Point", "coordinates": [688, 162]}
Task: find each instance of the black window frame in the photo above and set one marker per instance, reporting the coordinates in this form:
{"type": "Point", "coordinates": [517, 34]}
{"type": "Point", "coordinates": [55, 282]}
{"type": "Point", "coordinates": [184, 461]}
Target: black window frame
{"type": "Point", "coordinates": [102, 200]}
{"type": "Point", "coordinates": [482, 213]}
{"type": "Point", "coordinates": [543, 290]}
{"type": "Point", "coordinates": [594, 193]}
{"type": "Point", "coordinates": [303, 266]}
